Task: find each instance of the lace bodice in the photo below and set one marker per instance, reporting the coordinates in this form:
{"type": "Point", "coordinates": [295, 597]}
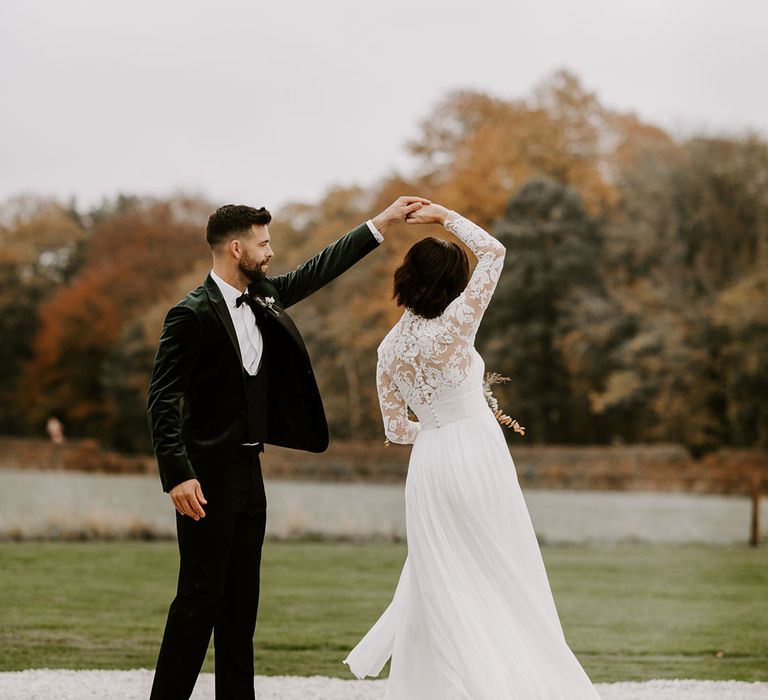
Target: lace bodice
{"type": "Point", "coordinates": [422, 361]}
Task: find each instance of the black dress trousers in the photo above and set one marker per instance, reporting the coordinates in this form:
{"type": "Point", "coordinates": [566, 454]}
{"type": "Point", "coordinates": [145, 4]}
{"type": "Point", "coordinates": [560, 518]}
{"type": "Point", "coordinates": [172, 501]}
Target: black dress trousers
{"type": "Point", "coordinates": [218, 587]}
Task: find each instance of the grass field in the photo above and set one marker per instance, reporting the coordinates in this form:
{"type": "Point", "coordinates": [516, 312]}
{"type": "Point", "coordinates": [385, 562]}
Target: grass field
{"type": "Point", "coordinates": [630, 612]}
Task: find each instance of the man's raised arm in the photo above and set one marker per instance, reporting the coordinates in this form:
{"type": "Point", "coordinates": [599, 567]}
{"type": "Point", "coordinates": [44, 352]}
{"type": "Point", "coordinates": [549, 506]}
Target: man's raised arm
{"type": "Point", "coordinates": [342, 254]}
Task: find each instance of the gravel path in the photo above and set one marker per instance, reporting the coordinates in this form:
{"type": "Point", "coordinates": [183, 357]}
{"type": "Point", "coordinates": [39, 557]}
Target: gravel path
{"type": "Point", "coordinates": [44, 684]}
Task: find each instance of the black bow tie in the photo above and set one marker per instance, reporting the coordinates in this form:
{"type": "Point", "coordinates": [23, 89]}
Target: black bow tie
{"type": "Point", "coordinates": [257, 309]}
{"type": "Point", "coordinates": [247, 298]}
{"type": "Point", "coordinates": [258, 305]}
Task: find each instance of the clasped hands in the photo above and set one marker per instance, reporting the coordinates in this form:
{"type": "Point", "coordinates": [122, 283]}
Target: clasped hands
{"type": "Point", "coordinates": [412, 210]}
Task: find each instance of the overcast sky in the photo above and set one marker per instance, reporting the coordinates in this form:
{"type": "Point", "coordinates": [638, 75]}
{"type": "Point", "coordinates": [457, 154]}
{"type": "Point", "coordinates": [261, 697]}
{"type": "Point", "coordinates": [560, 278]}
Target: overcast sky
{"type": "Point", "coordinates": [269, 102]}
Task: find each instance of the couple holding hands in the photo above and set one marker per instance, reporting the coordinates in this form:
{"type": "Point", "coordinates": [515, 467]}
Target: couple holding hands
{"type": "Point", "coordinates": [472, 616]}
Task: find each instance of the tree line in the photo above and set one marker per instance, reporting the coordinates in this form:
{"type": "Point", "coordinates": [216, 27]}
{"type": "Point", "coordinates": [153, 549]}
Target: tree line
{"type": "Point", "coordinates": [633, 306]}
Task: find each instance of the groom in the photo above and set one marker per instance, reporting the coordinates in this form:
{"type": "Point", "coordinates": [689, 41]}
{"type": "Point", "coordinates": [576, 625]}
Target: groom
{"type": "Point", "coordinates": [231, 374]}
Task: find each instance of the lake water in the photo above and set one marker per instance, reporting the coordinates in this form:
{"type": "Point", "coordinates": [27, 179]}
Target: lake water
{"type": "Point", "coordinates": [55, 504]}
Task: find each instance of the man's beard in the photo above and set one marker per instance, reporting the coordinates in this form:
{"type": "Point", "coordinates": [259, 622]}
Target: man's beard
{"type": "Point", "coordinates": [251, 270]}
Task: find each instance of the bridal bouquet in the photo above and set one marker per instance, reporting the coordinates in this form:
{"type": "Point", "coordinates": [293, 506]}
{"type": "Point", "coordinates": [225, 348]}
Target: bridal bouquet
{"type": "Point", "coordinates": [490, 379]}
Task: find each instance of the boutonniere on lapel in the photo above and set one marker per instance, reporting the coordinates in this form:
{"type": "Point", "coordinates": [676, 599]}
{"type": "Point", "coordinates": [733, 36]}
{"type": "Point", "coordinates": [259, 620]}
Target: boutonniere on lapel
{"type": "Point", "coordinates": [267, 303]}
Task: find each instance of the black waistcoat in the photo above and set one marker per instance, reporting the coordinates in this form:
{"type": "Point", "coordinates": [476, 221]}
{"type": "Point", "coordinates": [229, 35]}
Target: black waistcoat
{"type": "Point", "coordinates": [256, 390]}
{"type": "Point", "coordinates": [256, 405]}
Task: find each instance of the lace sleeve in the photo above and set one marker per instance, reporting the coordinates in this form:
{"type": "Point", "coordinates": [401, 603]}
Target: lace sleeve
{"type": "Point", "coordinates": [394, 412]}
{"type": "Point", "coordinates": [466, 311]}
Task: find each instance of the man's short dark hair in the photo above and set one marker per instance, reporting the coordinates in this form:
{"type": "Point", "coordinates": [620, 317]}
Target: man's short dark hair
{"type": "Point", "coordinates": [232, 220]}
{"type": "Point", "coordinates": [434, 272]}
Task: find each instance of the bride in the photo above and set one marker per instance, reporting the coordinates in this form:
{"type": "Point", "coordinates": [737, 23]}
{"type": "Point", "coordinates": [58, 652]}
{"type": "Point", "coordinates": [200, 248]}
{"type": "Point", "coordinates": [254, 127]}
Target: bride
{"type": "Point", "coordinates": [472, 616]}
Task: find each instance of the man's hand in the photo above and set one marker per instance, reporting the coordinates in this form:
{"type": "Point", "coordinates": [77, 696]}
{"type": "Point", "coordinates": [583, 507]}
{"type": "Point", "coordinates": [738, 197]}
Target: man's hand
{"type": "Point", "coordinates": [396, 212]}
{"type": "Point", "coordinates": [428, 214]}
{"type": "Point", "coordinates": [188, 498]}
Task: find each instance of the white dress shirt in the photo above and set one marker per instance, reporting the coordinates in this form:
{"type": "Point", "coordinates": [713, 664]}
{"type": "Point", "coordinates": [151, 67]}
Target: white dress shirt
{"type": "Point", "coordinates": [375, 231]}
{"type": "Point", "coordinates": [248, 334]}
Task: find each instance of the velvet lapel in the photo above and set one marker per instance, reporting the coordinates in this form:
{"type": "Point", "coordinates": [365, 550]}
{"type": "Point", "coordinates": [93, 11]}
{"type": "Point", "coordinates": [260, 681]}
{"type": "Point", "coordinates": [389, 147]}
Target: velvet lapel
{"type": "Point", "coordinates": [281, 317]}
{"type": "Point", "coordinates": [218, 303]}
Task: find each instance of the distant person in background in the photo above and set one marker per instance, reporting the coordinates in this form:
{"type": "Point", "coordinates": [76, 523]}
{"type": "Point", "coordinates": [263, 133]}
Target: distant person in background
{"type": "Point", "coordinates": [232, 357]}
{"type": "Point", "coordinates": [472, 616]}
{"type": "Point", "coordinates": [55, 431]}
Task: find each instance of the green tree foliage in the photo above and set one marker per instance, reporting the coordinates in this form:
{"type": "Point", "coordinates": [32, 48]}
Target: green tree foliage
{"type": "Point", "coordinates": [553, 262]}
{"type": "Point", "coordinates": [684, 249]}
{"type": "Point", "coordinates": [741, 316]}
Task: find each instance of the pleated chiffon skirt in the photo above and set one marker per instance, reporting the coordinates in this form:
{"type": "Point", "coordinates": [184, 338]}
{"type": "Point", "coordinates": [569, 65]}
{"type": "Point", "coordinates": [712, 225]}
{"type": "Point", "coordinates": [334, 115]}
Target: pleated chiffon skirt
{"type": "Point", "coordinates": [472, 616]}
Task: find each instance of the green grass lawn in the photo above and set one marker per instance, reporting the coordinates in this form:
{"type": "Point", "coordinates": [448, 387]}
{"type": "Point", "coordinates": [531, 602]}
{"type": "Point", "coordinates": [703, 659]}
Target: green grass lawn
{"type": "Point", "coordinates": [630, 612]}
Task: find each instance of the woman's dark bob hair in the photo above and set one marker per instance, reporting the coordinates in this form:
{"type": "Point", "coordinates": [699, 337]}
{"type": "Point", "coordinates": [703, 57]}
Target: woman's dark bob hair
{"type": "Point", "coordinates": [434, 272]}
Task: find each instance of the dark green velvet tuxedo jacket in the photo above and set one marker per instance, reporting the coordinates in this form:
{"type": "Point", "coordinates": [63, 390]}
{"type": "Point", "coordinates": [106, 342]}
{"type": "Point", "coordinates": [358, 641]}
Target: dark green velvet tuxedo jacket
{"type": "Point", "coordinates": [197, 403]}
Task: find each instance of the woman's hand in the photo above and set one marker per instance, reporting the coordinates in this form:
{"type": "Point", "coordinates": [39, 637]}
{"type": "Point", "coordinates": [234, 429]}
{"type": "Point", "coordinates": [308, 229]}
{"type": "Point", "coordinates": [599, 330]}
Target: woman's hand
{"type": "Point", "coordinates": [396, 212]}
{"type": "Point", "coordinates": [428, 214]}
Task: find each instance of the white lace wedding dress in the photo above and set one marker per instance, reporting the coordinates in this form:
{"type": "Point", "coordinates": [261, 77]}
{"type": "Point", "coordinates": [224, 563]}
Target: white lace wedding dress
{"type": "Point", "coordinates": [472, 617]}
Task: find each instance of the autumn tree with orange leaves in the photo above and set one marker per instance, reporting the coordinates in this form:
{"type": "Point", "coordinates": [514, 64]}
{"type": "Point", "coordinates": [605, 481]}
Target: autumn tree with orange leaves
{"type": "Point", "coordinates": [134, 252]}
{"type": "Point", "coordinates": [631, 308]}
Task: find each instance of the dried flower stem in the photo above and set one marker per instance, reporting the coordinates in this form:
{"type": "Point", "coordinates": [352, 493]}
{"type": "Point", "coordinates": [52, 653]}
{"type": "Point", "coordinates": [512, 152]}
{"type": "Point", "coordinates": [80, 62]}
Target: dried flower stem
{"type": "Point", "coordinates": [490, 379]}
